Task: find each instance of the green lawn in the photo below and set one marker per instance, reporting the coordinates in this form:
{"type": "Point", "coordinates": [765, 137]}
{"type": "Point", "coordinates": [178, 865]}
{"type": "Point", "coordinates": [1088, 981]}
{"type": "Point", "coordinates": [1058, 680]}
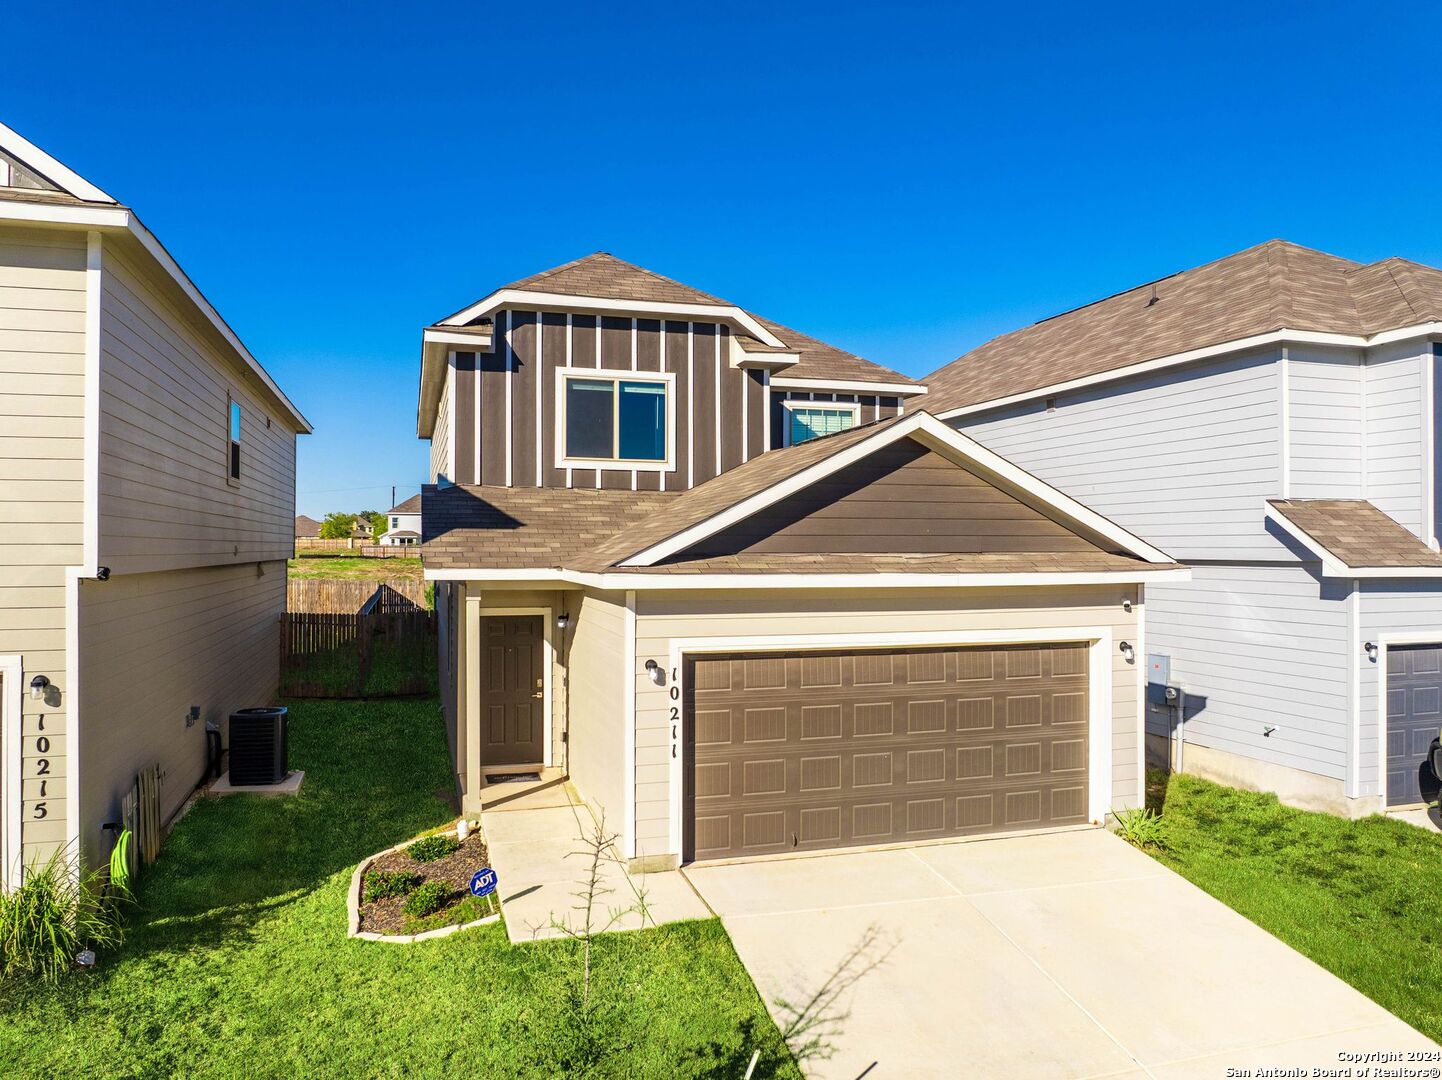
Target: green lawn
{"type": "Point", "coordinates": [352, 567]}
{"type": "Point", "coordinates": [1361, 898]}
{"type": "Point", "coordinates": [238, 963]}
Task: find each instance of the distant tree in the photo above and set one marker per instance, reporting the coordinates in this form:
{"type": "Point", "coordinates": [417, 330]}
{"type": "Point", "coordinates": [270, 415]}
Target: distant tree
{"type": "Point", "coordinates": [380, 524]}
{"type": "Point", "coordinates": [337, 526]}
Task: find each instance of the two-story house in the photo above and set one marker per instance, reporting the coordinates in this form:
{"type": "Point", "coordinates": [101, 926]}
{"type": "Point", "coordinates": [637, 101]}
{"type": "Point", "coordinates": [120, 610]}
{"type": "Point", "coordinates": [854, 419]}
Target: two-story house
{"type": "Point", "coordinates": [1270, 420]}
{"type": "Point", "coordinates": [403, 524]}
{"type": "Point", "coordinates": [147, 486]}
{"type": "Point", "coordinates": [747, 595]}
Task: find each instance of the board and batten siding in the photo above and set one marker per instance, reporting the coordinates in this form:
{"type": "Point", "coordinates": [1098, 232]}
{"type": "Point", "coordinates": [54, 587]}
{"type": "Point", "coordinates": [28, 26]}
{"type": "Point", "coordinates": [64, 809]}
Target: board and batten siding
{"type": "Point", "coordinates": [1392, 386]}
{"type": "Point", "coordinates": [165, 498]}
{"type": "Point", "coordinates": [1325, 424]}
{"type": "Point", "coordinates": [664, 617]}
{"type": "Point", "coordinates": [1258, 647]}
{"type": "Point", "coordinates": [871, 408]}
{"type": "Point", "coordinates": [596, 652]}
{"type": "Point", "coordinates": [1183, 458]}
{"type": "Point", "coordinates": [505, 401]}
{"type": "Point", "coordinates": [151, 646]}
{"type": "Point", "coordinates": [42, 394]}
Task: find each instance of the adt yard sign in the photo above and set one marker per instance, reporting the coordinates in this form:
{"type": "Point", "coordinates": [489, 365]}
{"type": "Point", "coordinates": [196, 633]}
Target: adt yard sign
{"type": "Point", "coordinates": [483, 882]}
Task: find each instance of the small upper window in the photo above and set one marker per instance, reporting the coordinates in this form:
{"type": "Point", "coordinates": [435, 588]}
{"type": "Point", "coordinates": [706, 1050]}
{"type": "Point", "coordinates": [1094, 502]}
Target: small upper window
{"type": "Point", "coordinates": [808, 420]}
{"type": "Point", "coordinates": [395, 522]}
{"type": "Point", "coordinates": [614, 418]}
{"type": "Point", "coordinates": [234, 439]}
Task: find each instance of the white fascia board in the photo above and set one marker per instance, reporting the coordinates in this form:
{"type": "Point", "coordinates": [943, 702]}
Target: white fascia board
{"type": "Point", "coordinates": [30, 155]}
{"type": "Point", "coordinates": [1276, 337]}
{"type": "Point", "coordinates": [157, 251]}
{"type": "Point", "coordinates": [544, 301]}
{"type": "Point", "coordinates": [81, 217]}
{"type": "Point", "coordinates": [1335, 567]}
{"type": "Point", "coordinates": [849, 386]}
{"type": "Point", "coordinates": [688, 582]}
{"type": "Point", "coordinates": [462, 341]}
{"type": "Point", "coordinates": [938, 436]}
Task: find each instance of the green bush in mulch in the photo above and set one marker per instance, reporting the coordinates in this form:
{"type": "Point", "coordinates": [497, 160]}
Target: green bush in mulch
{"type": "Point", "coordinates": [431, 848]}
{"type": "Point", "coordinates": [427, 899]}
{"type": "Point", "coordinates": [383, 884]}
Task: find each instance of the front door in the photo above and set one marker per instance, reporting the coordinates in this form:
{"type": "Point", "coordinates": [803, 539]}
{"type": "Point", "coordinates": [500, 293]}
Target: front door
{"type": "Point", "coordinates": [1414, 715]}
{"type": "Point", "coordinates": [512, 690]}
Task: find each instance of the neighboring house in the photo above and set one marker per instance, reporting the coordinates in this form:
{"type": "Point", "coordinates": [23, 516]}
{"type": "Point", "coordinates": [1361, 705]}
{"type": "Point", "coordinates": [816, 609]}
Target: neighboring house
{"type": "Point", "coordinates": [362, 529]}
{"type": "Point", "coordinates": [1269, 419]}
{"type": "Point", "coordinates": [403, 523]}
{"type": "Point", "coordinates": [306, 528]}
{"type": "Point", "coordinates": [749, 597]}
{"type": "Point", "coordinates": [147, 472]}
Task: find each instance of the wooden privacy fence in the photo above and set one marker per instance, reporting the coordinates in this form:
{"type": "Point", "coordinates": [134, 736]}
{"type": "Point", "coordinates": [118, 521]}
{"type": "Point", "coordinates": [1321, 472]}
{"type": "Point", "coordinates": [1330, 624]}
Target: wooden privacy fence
{"type": "Point", "coordinates": [337, 597]}
{"type": "Point", "coordinates": [390, 551]}
{"type": "Point", "coordinates": [378, 653]}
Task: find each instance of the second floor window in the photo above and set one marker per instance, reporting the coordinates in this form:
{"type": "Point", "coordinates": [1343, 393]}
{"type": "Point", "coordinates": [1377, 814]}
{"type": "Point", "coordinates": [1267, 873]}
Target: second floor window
{"type": "Point", "coordinates": [615, 418]}
{"type": "Point", "coordinates": [806, 420]}
{"type": "Point", "coordinates": [234, 421]}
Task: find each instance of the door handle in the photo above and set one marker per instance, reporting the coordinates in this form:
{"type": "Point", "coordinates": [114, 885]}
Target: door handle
{"type": "Point", "coordinates": [539, 694]}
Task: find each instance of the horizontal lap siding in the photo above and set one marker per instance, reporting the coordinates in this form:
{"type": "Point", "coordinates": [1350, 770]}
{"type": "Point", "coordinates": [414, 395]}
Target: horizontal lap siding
{"type": "Point", "coordinates": [153, 645]}
{"type": "Point", "coordinates": [1394, 433]}
{"type": "Point", "coordinates": [1258, 647]}
{"type": "Point", "coordinates": [1325, 423]}
{"type": "Point", "coordinates": [441, 464]}
{"type": "Point", "coordinates": [596, 660]}
{"type": "Point", "coordinates": [165, 502]}
{"type": "Point", "coordinates": [1183, 458]}
{"type": "Point", "coordinates": [663, 617]}
{"type": "Point", "coordinates": [42, 406]}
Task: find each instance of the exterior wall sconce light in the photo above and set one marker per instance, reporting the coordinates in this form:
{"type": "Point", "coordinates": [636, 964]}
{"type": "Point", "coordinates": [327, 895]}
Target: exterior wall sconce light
{"type": "Point", "coordinates": [653, 669]}
{"type": "Point", "coordinates": [1127, 604]}
{"type": "Point", "coordinates": [563, 620]}
{"type": "Point", "coordinates": [1128, 653]}
{"type": "Point", "coordinates": [1371, 650]}
{"type": "Point", "coordinates": [38, 685]}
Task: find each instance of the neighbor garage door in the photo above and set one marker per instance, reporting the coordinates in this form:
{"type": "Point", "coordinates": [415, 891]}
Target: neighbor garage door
{"type": "Point", "coordinates": [1414, 714]}
{"type": "Point", "coordinates": [825, 749]}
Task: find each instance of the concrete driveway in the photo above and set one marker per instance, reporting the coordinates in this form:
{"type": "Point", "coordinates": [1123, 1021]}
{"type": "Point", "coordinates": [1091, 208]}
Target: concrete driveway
{"type": "Point", "coordinates": [1059, 955]}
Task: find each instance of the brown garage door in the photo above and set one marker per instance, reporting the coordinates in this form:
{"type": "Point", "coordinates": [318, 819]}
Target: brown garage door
{"type": "Point", "coordinates": [825, 749]}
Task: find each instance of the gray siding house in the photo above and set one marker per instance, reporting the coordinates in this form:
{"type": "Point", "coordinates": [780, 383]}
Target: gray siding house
{"type": "Point", "coordinates": [1268, 419]}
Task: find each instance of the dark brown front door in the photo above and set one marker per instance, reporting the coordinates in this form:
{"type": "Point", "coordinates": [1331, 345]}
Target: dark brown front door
{"type": "Point", "coordinates": [512, 690]}
{"type": "Point", "coordinates": [826, 749]}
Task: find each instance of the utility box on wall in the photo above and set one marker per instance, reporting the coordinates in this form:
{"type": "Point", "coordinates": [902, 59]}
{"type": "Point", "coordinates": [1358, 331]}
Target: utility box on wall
{"type": "Point", "coordinates": [1159, 677]}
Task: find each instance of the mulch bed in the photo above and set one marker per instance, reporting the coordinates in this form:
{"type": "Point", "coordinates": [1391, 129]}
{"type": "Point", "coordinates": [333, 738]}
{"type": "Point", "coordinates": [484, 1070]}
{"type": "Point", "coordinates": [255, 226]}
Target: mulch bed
{"type": "Point", "coordinates": [386, 917]}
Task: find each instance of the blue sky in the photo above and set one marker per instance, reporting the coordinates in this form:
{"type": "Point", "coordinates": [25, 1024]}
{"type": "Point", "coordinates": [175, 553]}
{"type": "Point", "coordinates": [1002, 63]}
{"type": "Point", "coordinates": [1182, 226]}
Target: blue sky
{"type": "Point", "coordinates": [903, 180]}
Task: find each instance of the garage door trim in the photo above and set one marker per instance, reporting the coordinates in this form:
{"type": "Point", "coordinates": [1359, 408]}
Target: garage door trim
{"type": "Point", "coordinates": [1099, 703]}
{"type": "Point", "coordinates": [1384, 642]}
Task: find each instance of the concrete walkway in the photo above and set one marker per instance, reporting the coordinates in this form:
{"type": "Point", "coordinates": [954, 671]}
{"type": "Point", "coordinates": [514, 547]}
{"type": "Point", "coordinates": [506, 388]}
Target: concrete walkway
{"type": "Point", "coordinates": [1058, 955]}
{"type": "Point", "coordinates": [1426, 817]}
{"type": "Point", "coordinates": [535, 834]}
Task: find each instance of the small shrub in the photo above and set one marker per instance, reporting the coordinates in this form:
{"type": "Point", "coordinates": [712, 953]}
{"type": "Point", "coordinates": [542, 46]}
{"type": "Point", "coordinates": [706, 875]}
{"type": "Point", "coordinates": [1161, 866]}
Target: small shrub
{"type": "Point", "coordinates": [431, 848]}
{"type": "Point", "coordinates": [383, 884]}
{"type": "Point", "coordinates": [427, 899]}
{"type": "Point", "coordinates": [1141, 827]}
{"type": "Point", "coordinates": [55, 913]}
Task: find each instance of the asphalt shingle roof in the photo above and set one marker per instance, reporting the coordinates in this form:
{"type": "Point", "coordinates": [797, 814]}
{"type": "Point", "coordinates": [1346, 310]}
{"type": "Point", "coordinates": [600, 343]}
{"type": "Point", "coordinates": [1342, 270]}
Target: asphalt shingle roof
{"type": "Point", "coordinates": [1357, 533]}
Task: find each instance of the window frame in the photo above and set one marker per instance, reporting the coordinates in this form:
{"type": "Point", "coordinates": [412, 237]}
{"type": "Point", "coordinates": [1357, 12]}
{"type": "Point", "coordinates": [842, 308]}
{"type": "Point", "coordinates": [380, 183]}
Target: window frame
{"type": "Point", "coordinates": [790, 404]}
{"type": "Point", "coordinates": [667, 379]}
{"type": "Point", "coordinates": [233, 442]}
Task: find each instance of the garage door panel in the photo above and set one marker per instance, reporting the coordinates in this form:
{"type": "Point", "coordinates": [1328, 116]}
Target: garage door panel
{"type": "Point", "coordinates": [824, 758]}
{"type": "Point", "coordinates": [1414, 715]}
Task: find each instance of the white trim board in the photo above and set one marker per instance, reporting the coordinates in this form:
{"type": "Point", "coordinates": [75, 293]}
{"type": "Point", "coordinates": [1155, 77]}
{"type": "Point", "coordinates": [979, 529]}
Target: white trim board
{"type": "Point", "coordinates": [848, 386]}
{"type": "Point", "coordinates": [36, 159]}
{"type": "Point", "coordinates": [528, 300]}
{"type": "Point", "coordinates": [1335, 567]}
{"type": "Point", "coordinates": [12, 704]}
{"type": "Point", "coordinates": [937, 436]}
{"type": "Point", "coordinates": [507, 577]}
{"type": "Point", "coordinates": [548, 621]}
{"type": "Point", "coordinates": [1277, 337]}
{"type": "Point", "coordinates": [628, 725]}
{"type": "Point", "coordinates": [1099, 689]}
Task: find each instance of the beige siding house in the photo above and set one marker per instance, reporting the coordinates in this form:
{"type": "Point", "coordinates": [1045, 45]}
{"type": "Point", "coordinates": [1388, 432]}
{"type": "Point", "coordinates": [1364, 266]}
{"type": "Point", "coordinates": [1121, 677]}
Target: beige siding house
{"type": "Point", "coordinates": [147, 487]}
{"type": "Point", "coordinates": [748, 596]}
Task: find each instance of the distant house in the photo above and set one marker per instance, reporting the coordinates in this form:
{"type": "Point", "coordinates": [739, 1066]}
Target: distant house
{"type": "Point", "coordinates": [403, 524]}
{"type": "Point", "coordinates": [306, 528]}
{"type": "Point", "coordinates": [147, 466]}
{"type": "Point", "coordinates": [362, 529]}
